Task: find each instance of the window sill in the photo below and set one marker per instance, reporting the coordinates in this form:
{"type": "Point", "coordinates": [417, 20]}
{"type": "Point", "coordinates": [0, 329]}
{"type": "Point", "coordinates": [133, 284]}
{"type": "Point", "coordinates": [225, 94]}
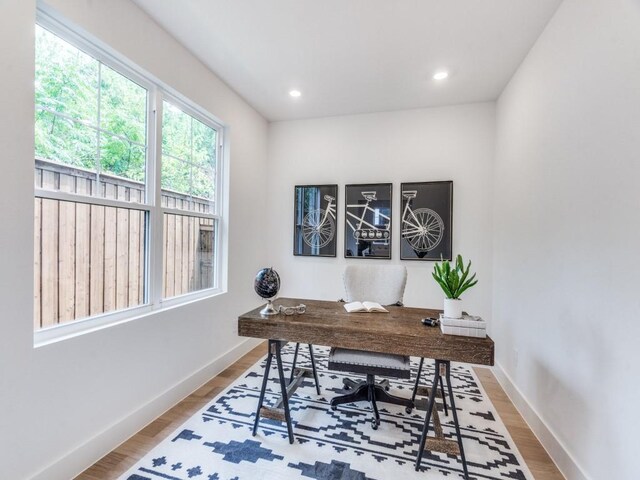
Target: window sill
{"type": "Point", "coordinates": [80, 327]}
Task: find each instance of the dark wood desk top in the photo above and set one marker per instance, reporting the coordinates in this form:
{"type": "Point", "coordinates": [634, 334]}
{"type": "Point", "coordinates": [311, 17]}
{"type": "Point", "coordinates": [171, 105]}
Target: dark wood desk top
{"type": "Point", "coordinates": [399, 331]}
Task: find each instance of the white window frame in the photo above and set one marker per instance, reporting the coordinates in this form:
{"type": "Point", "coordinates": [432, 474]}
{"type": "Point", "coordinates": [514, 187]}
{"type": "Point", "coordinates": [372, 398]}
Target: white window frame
{"type": "Point", "coordinates": [201, 116]}
{"type": "Point", "coordinates": [158, 91]}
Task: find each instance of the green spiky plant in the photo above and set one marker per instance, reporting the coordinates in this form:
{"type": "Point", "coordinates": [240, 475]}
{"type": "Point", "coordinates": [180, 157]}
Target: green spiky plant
{"type": "Point", "coordinates": [454, 280]}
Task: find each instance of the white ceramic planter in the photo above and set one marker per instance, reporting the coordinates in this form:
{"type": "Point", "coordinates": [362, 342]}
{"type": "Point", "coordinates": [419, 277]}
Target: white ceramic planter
{"type": "Point", "coordinates": [452, 308]}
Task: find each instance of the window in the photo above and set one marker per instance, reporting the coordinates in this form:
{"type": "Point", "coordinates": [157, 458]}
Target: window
{"type": "Point", "coordinates": [188, 197]}
{"type": "Point", "coordinates": [106, 197]}
{"type": "Point", "coordinates": [88, 116]}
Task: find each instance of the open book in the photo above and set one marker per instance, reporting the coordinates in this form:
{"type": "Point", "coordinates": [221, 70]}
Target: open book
{"type": "Point", "coordinates": [364, 307]}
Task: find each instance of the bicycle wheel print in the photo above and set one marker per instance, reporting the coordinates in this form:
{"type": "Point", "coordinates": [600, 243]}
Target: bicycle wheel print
{"type": "Point", "coordinates": [423, 230]}
{"type": "Point", "coordinates": [315, 233]}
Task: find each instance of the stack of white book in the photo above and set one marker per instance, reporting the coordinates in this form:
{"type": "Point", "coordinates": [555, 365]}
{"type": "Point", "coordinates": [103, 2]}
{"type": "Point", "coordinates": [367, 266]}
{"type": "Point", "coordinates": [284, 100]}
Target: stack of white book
{"type": "Point", "coordinates": [467, 326]}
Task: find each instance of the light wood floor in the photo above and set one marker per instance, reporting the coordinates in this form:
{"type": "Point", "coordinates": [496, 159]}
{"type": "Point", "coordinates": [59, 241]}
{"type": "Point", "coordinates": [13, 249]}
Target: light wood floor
{"type": "Point", "coordinates": [126, 455]}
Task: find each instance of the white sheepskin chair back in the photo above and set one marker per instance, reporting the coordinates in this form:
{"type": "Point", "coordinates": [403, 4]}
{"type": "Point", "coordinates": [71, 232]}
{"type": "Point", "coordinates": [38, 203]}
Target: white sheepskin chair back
{"type": "Point", "coordinates": [376, 283]}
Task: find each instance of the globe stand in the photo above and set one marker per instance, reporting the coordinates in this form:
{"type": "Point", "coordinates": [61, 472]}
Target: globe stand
{"type": "Point", "coordinates": [268, 309]}
{"type": "Point", "coordinates": [267, 284]}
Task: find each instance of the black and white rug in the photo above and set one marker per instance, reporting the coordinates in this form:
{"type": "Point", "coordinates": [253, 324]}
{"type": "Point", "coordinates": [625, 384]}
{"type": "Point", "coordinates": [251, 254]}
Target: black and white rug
{"type": "Point", "coordinates": [216, 443]}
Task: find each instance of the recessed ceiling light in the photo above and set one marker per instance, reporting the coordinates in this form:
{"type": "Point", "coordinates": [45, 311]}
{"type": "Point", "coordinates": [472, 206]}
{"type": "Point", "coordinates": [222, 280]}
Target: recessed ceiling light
{"type": "Point", "coordinates": [295, 93]}
{"type": "Point", "coordinates": [440, 75]}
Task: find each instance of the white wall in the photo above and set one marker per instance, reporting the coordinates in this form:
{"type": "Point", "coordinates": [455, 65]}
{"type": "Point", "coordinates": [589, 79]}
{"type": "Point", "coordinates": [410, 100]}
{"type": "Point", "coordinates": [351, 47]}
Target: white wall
{"type": "Point", "coordinates": [567, 233]}
{"type": "Point", "coordinates": [559, 285]}
{"type": "Point", "coordinates": [452, 143]}
{"type": "Point", "coordinates": [81, 393]}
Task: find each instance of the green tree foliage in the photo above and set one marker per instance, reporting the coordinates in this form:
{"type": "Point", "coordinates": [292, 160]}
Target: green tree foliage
{"type": "Point", "coordinates": [188, 165]}
{"type": "Point", "coordinates": [87, 113]}
{"type": "Point", "coordinates": [66, 84]}
{"type": "Point", "coordinates": [123, 107]}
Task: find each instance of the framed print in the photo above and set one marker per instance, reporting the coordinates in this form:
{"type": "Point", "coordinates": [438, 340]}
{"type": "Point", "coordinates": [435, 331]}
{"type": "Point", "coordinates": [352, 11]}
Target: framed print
{"type": "Point", "coordinates": [367, 221]}
{"type": "Point", "coordinates": [314, 226]}
{"type": "Point", "coordinates": [426, 222]}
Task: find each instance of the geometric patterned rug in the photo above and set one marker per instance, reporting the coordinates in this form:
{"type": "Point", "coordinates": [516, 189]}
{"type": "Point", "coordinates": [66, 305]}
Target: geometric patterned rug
{"type": "Point", "coordinates": [216, 443]}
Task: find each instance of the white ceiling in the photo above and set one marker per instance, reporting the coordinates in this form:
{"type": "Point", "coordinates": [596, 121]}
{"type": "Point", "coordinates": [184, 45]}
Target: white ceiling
{"type": "Point", "coordinates": [355, 56]}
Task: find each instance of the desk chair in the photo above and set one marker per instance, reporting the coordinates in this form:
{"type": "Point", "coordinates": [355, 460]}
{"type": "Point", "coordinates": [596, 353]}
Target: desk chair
{"type": "Point", "coordinates": [383, 284]}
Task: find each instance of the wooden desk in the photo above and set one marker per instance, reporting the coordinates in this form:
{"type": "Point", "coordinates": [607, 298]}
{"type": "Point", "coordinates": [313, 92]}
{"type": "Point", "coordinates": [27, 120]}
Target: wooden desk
{"type": "Point", "coordinates": [399, 332]}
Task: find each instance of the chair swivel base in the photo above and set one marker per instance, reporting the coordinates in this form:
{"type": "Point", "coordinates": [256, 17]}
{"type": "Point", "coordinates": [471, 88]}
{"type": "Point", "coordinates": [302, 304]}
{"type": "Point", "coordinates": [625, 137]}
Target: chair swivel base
{"type": "Point", "coordinates": [350, 384]}
{"type": "Point", "coordinates": [370, 391]}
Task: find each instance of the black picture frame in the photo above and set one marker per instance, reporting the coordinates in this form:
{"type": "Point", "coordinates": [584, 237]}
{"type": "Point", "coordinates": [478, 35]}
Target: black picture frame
{"type": "Point", "coordinates": [368, 215]}
{"type": "Point", "coordinates": [315, 222]}
{"type": "Point", "coordinates": [426, 220]}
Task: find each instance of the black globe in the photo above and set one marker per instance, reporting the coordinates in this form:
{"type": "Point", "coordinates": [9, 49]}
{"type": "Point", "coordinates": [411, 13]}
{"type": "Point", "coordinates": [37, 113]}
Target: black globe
{"type": "Point", "coordinates": [267, 283]}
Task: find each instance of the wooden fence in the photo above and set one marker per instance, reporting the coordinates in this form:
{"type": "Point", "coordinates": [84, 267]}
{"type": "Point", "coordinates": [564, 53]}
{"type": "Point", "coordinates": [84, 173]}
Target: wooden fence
{"type": "Point", "coordinates": [90, 259]}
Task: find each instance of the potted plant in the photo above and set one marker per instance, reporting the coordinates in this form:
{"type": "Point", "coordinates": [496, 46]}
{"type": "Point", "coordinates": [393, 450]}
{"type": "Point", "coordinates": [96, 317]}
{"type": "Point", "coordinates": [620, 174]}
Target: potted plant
{"type": "Point", "coordinates": [454, 281]}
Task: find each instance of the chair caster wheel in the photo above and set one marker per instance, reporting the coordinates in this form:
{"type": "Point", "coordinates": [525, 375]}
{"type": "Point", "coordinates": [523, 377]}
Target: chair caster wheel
{"type": "Point", "coordinates": [374, 424]}
{"type": "Point", "coordinates": [386, 389]}
{"type": "Point", "coordinates": [408, 409]}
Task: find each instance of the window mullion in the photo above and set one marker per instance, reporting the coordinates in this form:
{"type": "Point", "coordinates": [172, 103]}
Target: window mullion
{"type": "Point", "coordinates": [189, 213]}
{"type": "Point", "coordinates": [154, 187]}
{"type": "Point", "coordinates": [98, 131]}
{"type": "Point", "coordinates": [87, 199]}
{"type": "Point", "coordinates": [191, 202]}
{"type": "Point", "coordinates": [219, 210]}
{"type": "Point", "coordinates": [219, 180]}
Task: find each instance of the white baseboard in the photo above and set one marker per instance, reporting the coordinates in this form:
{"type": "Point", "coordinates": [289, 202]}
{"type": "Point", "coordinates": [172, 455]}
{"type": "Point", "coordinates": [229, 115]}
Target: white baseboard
{"type": "Point", "coordinates": [97, 447]}
{"type": "Point", "coordinates": [556, 450]}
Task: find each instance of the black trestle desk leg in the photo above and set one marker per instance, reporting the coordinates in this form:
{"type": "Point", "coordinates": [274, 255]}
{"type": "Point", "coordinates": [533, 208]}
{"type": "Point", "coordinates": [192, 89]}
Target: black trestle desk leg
{"type": "Point", "coordinates": [313, 367]}
{"type": "Point", "coordinates": [283, 389]}
{"type": "Point", "coordinates": [265, 379]}
{"type": "Point", "coordinates": [444, 397]}
{"type": "Point", "coordinates": [417, 384]}
{"type": "Point", "coordinates": [293, 365]}
{"type": "Point", "coordinates": [427, 419]}
{"type": "Point", "coordinates": [455, 419]}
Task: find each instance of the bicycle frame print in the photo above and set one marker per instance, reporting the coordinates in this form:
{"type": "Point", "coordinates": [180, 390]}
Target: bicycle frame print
{"type": "Point", "coordinates": [314, 231]}
{"type": "Point", "coordinates": [368, 210]}
{"type": "Point", "coordinates": [426, 221]}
